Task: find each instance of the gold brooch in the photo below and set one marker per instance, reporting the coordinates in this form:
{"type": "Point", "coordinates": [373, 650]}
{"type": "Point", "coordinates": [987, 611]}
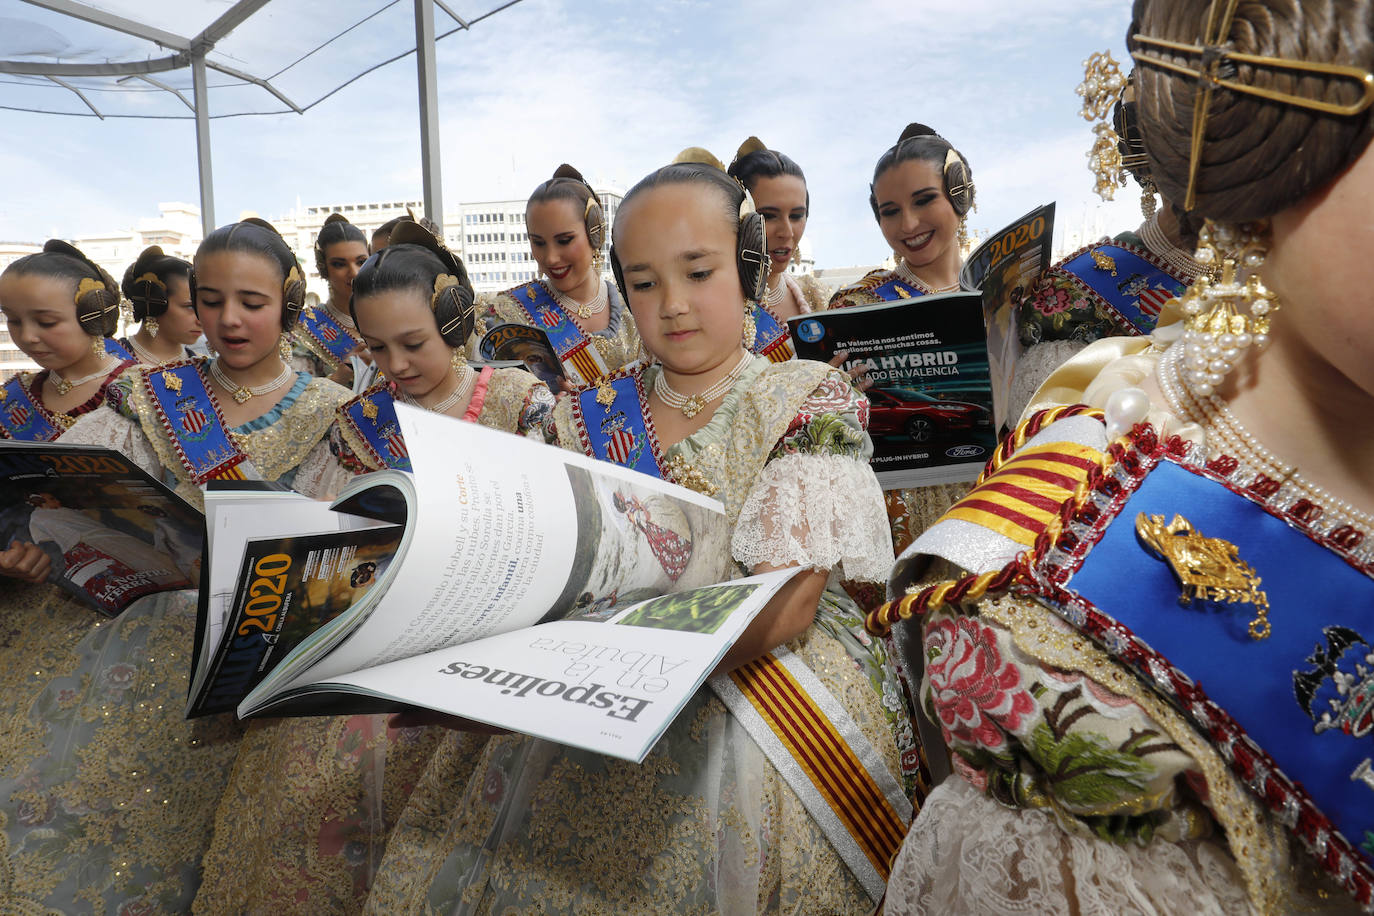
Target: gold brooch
{"type": "Point", "coordinates": [171, 382]}
{"type": "Point", "coordinates": [1210, 569]}
{"type": "Point", "coordinates": [4, 394]}
{"type": "Point", "coordinates": [369, 409]}
{"type": "Point", "coordinates": [605, 393]}
{"type": "Point", "coordinates": [690, 476]}
{"type": "Point", "coordinates": [1103, 261]}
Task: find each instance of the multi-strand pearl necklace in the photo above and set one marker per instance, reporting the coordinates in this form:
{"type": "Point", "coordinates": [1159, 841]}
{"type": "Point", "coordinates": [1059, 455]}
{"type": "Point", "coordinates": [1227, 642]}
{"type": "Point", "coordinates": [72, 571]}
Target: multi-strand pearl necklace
{"type": "Point", "coordinates": [146, 357]}
{"type": "Point", "coordinates": [460, 394]}
{"type": "Point", "coordinates": [64, 385]}
{"type": "Point", "coordinates": [906, 273]}
{"type": "Point", "coordinates": [693, 404]}
{"type": "Point", "coordinates": [584, 310]}
{"type": "Point", "coordinates": [241, 393]}
{"type": "Point", "coordinates": [1185, 266]}
{"type": "Point", "coordinates": [773, 299]}
{"type": "Point", "coordinates": [1233, 439]}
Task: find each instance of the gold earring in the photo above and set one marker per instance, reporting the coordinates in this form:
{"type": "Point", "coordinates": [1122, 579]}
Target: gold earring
{"type": "Point", "coordinates": [459, 360]}
{"type": "Point", "coordinates": [284, 346]}
{"type": "Point", "coordinates": [1147, 199]}
{"type": "Point", "coordinates": [750, 331]}
{"type": "Point", "coordinates": [98, 345]}
{"type": "Point", "coordinates": [150, 325]}
{"type": "Point", "coordinates": [961, 236]}
{"type": "Point", "coordinates": [1217, 331]}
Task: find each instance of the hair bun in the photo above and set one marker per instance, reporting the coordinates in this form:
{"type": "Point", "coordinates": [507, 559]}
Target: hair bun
{"type": "Point", "coordinates": [331, 218]}
{"type": "Point", "coordinates": [264, 224]}
{"type": "Point", "coordinates": [415, 234]}
{"type": "Point", "coordinates": [917, 129]}
{"type": "Point", "coordinates": [700, 156]}
{"type": "Point", "coordinates": [751, 145]}
{"type": "Point", "coordinates": [567, 171]}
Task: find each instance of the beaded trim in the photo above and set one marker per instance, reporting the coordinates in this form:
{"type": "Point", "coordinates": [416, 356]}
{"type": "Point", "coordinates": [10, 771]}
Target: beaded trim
{"type": "Point", "coordinates": [1059, 551]}
{"type": "Point", "coordinates": [65, 421]}
{"type": "Point", "coordinates": [1105, 307]}
{"type": "Point", "coordinates": [635, 372]}
{"type": "Point", "coordinates": [171, 438]}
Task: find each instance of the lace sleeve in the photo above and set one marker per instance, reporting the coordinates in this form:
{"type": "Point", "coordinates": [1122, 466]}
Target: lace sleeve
{"type": "Point", "coordinates": [320, 474]}
{"type": "Point", "coordinates": [109, 428]}
{"type": "Point", "coordinates": [818, 510]}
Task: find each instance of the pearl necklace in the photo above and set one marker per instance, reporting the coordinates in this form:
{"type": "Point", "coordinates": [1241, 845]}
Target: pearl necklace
{"type": "Point", "coordinates": [906, 273]}
{"type": "Point", "coordinates": [64, 386]}
{"type": "Point", "coordinates": [345, 321]}
{"type": "Point", "coordinates": [1185, 265]}
{"type": "Point", "coordinates": [459, 395]}
{"type": "Point", "coordinates": [241, 393]}
{"type": "Point", "coordinates": [774, 296]}
{"type": "Point", "coordinates": [584, 310]}
{"type": "Point", "coordinates": [147, 358]}
{"type": "Point", "coordinates": [1211, 412]}
{"type": "Point", "coordinates": [693, 404]}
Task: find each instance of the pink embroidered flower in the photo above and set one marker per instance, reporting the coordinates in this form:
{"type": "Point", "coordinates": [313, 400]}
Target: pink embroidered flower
{"type": "Point", "coordinates": [976, 695]}
{"type": "Point", "coordinates": [493, 786]}
{"type": "Point", "coordinates": [120, 677]}
{"type": "Point", "coordinates": [137, 906]}
{"type": "Point", "coordinates": [1052, 301]}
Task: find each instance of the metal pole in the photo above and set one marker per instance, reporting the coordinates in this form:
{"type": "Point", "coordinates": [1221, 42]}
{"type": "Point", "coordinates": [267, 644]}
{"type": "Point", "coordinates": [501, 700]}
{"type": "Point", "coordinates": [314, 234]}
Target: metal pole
{"type": "Point", "coordinates": [207, 181]}
{"type": "Point", "coordinates": [429, 111]}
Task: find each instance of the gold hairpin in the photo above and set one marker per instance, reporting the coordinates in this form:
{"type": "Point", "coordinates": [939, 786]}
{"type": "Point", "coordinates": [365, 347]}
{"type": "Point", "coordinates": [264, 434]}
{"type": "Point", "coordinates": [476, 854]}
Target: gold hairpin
{"type": "Point", "coordinates": [1102, 85]}
{"type": "Point", "coordinates": [1213, 56]}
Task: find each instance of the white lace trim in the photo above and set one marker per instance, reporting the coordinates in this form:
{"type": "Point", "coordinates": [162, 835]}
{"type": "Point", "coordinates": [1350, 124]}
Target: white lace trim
{"type": "Point", "coordinates": [107, 427]}
{"type": "Point", "coordinates": [821, 511]}
{"type": "Point", "coordinates": [968, 854]}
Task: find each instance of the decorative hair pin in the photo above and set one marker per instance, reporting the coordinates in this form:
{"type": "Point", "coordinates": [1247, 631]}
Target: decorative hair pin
{"type": "Point", "coordinates": [1103, 83]}
{"type": "Point", "coordinates": [1214, 60]}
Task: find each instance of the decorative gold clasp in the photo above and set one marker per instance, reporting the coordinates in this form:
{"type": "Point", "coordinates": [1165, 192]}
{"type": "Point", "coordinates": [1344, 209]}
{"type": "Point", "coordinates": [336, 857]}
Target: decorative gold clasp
{"type": "Point", "coordinates": [1209, 569]}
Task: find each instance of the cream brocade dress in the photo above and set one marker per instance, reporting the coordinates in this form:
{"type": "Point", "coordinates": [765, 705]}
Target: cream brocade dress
{"type": "Point", "coordinates": [304, 821]}
{"type": "Point", "coordinates": [705, 824]}
{"type": "Point", "coordinates": [1077, 789]}
{"type": "Point", "coordinates": [107, 792]}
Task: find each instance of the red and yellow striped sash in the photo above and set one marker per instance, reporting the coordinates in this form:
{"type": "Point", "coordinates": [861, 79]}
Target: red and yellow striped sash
{"type": "Point", "coordinates": [1021, 497]}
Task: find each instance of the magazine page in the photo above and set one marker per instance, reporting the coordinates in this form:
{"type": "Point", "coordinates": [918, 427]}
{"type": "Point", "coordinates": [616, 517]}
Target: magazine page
{"type": "Point", "coordinates": [1004, 269]}
{"type": "Point", "coordinates": [609, 680]}
{"type": "Point", "coordinates": [527, 345]}
{"type": "Point", "coordinates": [503, 533]}
{"type": "Point", "coordinates": [931, 400]}
{"type": "Point", "coordinates": [113, 533]}
{"type": "Point", "coordinates": [287, 589]}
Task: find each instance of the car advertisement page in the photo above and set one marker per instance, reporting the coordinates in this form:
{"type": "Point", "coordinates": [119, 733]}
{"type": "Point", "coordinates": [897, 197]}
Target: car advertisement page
{"type": "Point", "coordinates": [931, 401]}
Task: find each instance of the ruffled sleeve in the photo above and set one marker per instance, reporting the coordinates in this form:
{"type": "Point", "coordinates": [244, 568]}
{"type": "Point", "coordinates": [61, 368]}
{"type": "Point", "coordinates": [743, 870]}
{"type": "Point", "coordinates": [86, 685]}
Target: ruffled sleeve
{"type": "Point", "coordinates": [817, 503]}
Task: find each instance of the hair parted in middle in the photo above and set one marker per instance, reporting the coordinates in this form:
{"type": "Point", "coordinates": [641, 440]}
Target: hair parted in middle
{"type": "Point", "coordinates": [94, 292]}
{"type": "Point", "coordinates": [918, 141]}
{"type": "Point", "coordinates": [416, 260]}
{"type": "Point", "coordinates": [258, 236]}
{"type": "Point", "coordinates": [695, 165]}
{"type": "Point", "coordinates": [753, 160]}
{"type": "Point", "coordinates": [568, 184]}
{"type": "Point", "coordinates": [336, 229]}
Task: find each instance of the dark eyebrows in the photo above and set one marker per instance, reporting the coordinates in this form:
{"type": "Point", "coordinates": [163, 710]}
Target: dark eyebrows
{"type": "Point", "coordinates": [695, 254]}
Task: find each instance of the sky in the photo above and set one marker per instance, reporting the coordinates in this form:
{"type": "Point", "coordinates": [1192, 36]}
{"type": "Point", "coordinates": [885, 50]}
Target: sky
{"type": "Point", "coordinates": [617, 88]}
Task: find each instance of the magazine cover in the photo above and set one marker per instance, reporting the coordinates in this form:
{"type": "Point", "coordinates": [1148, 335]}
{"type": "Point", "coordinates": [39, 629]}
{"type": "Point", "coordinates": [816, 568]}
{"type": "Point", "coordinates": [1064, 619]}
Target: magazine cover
{"type": "Point", "coordinates": [1004, 269]}
{"type": "Point", "coordinates": [526, 345]}
{"type": "Point", "coordinates": [113, 533]}
{"type": "Point", "coordinates": [931, 401]}
{"type": "Point", "coordinates": [288, 588]}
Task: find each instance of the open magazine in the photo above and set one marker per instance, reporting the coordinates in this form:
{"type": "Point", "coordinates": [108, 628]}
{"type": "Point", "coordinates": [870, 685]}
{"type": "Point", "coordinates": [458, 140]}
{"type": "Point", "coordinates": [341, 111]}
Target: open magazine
{"type": "Point", "coordinates": [931, 400]}
{"type": "Point", "coordinates": [503, 581]}
{"type": "Point", "coordinates": [1004, 269]}
{"type": "Point", "coordinates": [112, 532]}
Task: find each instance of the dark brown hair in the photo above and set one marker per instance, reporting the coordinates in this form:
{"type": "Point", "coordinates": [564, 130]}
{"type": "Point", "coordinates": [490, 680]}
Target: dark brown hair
{"type": "Point", "coordinates": [918, 141]}
{"type": "Point", "coordinates": [145, 282]}
{"type": "Point", "coordinates": [97, 308]}
{"type": "Point", "coordinates": [1258, 156]}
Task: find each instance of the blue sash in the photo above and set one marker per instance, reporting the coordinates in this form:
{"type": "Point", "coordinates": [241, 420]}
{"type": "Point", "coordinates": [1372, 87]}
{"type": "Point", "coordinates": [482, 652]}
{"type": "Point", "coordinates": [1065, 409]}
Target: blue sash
{"type": "Point", "coordinates": [327, 333]}
{"type": "Point", "coordinates": [115, 348]}
{"type": "Point", "coordinates": [770, 336]}
{"type": "Point", "coordinates": [895, 288]}
{"type": "Point", "coordinates": [21, 418]}
{"type": "Point", "coordinates": [193, 423]}
{"type": "Point", "coordinates": [612, 421]}
{"type": "Point", "coordinates": [1129, 282]}
{"type": "Point", "coordinates": [371, 417]}
{"type": "Point", "coordinates": [1304, 695]}
{"type": "Point", "coordinates": [571, 345]}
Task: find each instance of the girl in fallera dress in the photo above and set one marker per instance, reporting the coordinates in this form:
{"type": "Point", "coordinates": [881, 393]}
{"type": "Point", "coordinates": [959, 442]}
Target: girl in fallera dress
{"type": "Point", "coordinates": [304, 821]}
{"type": "Point", "coordinates": [778, 188]}
{"type": "Point", "coordinates": [708, 822]}
{"type": "Point", "coordinates": [584, 315]}
{"type": "Point", "coordinates": [1119, 746]}
{"type": "Point", "coordinates": [325, 335]}
{"type": "Point", "coordinates": [60, 309]}
{"type": "Point", "coordinates": [158, 288]}
{"type": "Point", "coordinates": [108, 792]}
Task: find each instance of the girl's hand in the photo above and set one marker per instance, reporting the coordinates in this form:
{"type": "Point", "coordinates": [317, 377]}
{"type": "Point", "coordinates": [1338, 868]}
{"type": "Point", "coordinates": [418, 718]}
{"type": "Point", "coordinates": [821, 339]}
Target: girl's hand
{"type": "Point", "coordinates": [26, 561]}
{"type": "Point", "coordinates": [858, 372]}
